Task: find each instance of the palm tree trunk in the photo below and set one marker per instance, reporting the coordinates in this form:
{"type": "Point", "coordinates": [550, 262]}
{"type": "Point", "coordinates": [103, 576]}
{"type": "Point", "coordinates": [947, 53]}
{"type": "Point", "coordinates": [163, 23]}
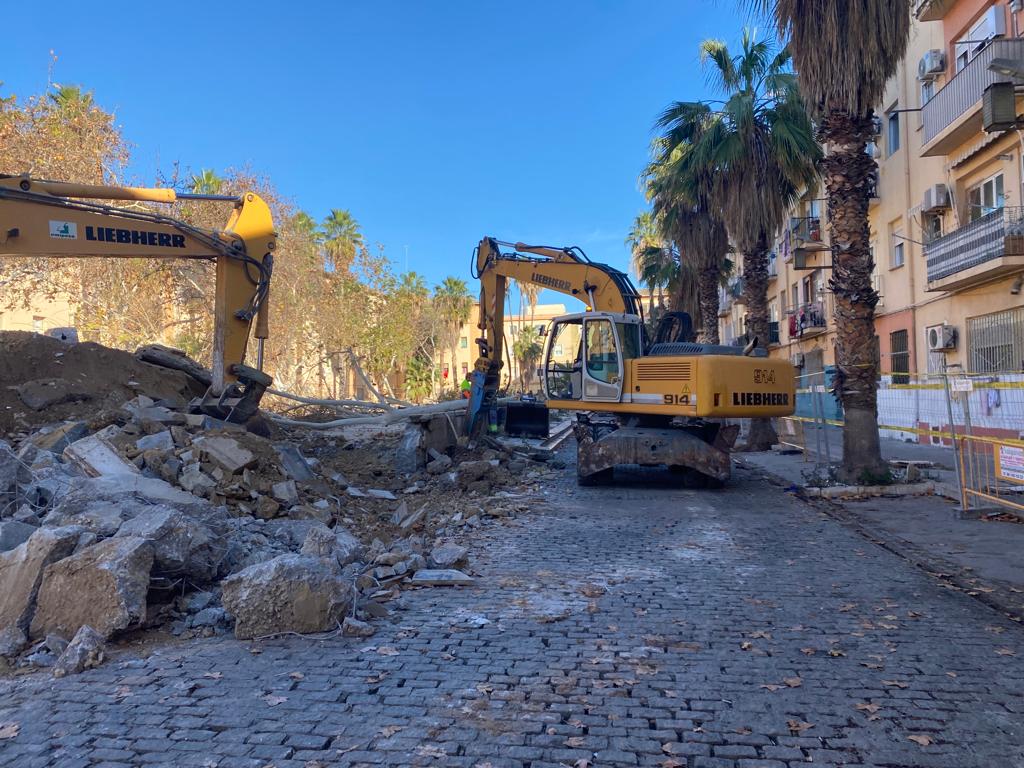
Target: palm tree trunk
{"type": "Point", "coordinates": [847, 170]}
{"type": "Point", "coordinates": [708, 290]}
{"type": "Point", "coordinates": [755, 295]}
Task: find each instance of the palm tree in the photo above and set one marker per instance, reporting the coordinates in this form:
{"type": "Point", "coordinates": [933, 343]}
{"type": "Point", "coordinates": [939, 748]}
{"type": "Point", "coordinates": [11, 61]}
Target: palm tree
{"type": "Point", "coordinates": [841, 92]}
{"type": "Point", "coordinates": [207, 182]}
{"type": "Point", "coordinates": [645, 247]}
{"type": "Point", "coordinates": [756, 153]}
{"type": "Point", "coordinates": [527, 350]}
{"type": "Point", "coordinates": [342, 238]}
{"type": "Point", "coordinates": [686, 215]}
{"type": "Point", "coordinates": [454, 305]}
{"type": "Point", "coordinates": [71, 97]}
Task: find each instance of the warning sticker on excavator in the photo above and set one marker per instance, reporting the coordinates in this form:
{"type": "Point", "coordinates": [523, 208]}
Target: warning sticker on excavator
{"type": "Point", "coordinates": [63, 230]}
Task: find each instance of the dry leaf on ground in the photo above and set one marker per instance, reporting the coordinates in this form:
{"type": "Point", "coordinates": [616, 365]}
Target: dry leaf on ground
{"type": "Point", "coordinates": [895, 683]}
{"type": "Point", "coordinates": [920, 738]}
{"type": "Point", "coordinates": [798, 726]}
{"type": "Point", "coordinates": [793, 682]}
{"type": "Point", "coordinates": [9, 730]}
{"type": "Point", "coordinates": [388, 650]}
{"type": "Point", "coordinates": [273, 701]}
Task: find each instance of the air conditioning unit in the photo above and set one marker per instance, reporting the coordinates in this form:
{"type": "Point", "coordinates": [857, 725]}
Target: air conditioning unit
{"type": "Point", "coordinates": [941, 338]}
{"type": "Point", "coordinates": [936, 197]}
{"type": "Point", "coordinates": [999, 108]}
{"type": "Point", "coordinates": [797, 360]}
{"type": "Point", "coordinates": [931, 65]}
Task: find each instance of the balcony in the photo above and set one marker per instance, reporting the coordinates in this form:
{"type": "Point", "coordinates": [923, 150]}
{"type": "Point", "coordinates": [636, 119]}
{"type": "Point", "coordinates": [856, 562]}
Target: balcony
{"type": "Point", "coordinates": [931, 10]}
{"type": "Point", "coordinates": [807, 320]}
{"type": "Point", "coordinates": [773, 265]}
{"type": "Point", "coordinates": [953, 115]}
{"type": "Point", "coordinates": [986, 248]}
{"type": "Point", "coordinates": [773, 332]}
{"type": "Point", "coordinates": [807, 233]}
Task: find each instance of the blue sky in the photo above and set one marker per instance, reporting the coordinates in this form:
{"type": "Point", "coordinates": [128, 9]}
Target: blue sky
{"type": "Point", "coordinates": [434, 122]}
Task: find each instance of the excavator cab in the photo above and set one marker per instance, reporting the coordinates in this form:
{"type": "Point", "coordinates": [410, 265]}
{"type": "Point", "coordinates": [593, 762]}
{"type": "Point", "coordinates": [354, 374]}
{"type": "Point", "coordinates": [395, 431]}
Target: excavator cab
{"type": "Point", "coordinates": [585, 355]}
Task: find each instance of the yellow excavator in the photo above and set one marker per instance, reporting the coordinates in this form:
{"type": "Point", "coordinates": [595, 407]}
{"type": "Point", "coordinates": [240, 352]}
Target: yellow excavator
{"type": "Point", "coordinates": [638, 401]}
{"type": "Point", "coordinates": [52, 219]}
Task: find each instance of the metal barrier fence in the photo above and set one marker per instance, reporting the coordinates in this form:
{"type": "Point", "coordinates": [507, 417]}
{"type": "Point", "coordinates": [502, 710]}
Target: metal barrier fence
{"type": "Point", "coordinates": [977, 417]}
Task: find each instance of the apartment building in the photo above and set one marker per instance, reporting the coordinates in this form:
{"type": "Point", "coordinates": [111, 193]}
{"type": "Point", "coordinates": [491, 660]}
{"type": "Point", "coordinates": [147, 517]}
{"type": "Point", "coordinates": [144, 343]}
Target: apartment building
{"type": "Point", "coordinates": [946, 214]}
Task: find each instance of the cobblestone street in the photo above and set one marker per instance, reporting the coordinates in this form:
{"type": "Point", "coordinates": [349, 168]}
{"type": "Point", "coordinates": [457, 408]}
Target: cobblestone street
{"type": "Point", "coordinates": [631, 625]}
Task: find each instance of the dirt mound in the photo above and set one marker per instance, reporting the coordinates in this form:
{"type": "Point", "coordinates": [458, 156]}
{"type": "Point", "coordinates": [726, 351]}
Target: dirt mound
{"type": "Point", "coordinates": [92, 376]}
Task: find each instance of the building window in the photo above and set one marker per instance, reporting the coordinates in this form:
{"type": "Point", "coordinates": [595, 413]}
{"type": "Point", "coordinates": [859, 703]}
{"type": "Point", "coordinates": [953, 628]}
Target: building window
{"type": "Point", "coordinates": [931, 226]}
{"type": "Point", "coordinates": [894, 132]}
{"type": "Point", "coordinates": [995, 342]}
{"type": "Point", "coordinates": [897, 252]}
{"type": "Point", "coordinates": [991, 24]}
{"type": "Point", "coordinates": [465, 370]}
{"type": "Point", "coordinates": [464, 342]}
{"type": "Point", "coordinates": [796, 295]}
{"type": "Point", "coordinates": [899, 357]}
{"type": "Point", "coordinates": [37, 324]}
{"type": "Point", "coordinates": [985, 198]}
{"type": "Point", "coordinates": [927, 91]}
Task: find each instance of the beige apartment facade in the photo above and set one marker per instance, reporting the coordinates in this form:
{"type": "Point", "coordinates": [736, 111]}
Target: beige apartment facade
{"type": "Point", "coordinates": [946, 214]}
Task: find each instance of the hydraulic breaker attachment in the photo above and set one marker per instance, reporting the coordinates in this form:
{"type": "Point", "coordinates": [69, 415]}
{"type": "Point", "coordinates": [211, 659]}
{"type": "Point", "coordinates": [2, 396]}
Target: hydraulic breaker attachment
{"type": "Point", "coordinates": [240, 399]}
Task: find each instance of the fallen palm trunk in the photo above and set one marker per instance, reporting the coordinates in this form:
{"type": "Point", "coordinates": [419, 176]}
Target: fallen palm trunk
{"type": "Point", "coordinates": [391, 417]}
{"type": "Point", "coordinates": [329, 403]}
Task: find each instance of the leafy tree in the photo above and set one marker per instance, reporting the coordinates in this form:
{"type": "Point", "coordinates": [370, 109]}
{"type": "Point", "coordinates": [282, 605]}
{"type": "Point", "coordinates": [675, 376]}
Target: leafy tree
{"type": "Point", "coordinates": [756, 152]}
{"type": "Point", "coordinates": [841, 91]}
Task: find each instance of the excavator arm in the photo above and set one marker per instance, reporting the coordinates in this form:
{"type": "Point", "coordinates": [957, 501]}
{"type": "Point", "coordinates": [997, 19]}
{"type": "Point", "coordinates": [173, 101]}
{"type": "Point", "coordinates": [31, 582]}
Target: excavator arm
{"type": "Point", "coordinates": [49, 219]}
{"type": "Point", "coordinates": [564, 270]}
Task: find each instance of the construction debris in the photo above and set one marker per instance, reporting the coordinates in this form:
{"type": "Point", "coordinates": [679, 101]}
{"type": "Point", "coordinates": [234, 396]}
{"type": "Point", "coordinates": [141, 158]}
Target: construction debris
{"type": "Point", "coordinates": [122, 509]}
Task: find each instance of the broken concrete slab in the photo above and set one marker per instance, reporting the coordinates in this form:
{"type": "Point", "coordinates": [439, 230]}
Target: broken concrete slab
{"type": "Point", "coordinates": [21, 572]}
{"type": "Point", "coordinates": [413, 518]}
{"type": "Point", "coordinates": [448, 555]}
{"type": "Point", "coordinates": [294, 463]}
{"type": "Point", "coordinates": [104, 586]}
{"type": "Point", "coordinates": [56, 440]}
{"type": "Point", "coordinates": [158, 441]}
{"type": "Point", "coordinates": [225, 451]}
{"type": "Point", "coordinates": [182, 546]}
{"type": "Point", "coordinates": [14, 533]}
{"type": "Point", "coordinates": [291, 593]}
{"type": "Point", "coordinates": [378, 493]}
{"type": "Point", "coordinates": [85, 651]}
{"type": "Point", "coordinates": [197, 482]}
{"type": "Point", "coordinates": [285, 492]}
{"type": "Point", "coordinates": [40, 394]}
{"type": "Point", "coordinates": [441, 578]}
{"type": "Point", "coordinates": [97, 458]}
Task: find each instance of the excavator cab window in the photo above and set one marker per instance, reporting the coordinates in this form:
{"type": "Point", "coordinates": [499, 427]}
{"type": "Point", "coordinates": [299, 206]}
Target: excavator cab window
{"type": "Point", "coordinates": [563, 360]}
{"type": "Point", "coordinates": [602, 378]}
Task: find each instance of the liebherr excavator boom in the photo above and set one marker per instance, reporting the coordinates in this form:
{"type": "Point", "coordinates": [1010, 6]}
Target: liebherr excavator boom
{"type": "Point", "coordinates": [636, 402]}
{"type": "Point", "coordinates": [52, 219]}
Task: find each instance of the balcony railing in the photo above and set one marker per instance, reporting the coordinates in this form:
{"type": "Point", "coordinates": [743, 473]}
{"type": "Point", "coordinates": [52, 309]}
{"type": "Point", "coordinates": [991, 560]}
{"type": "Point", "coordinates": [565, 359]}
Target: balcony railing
{"type": "Point", "coordinates": [931, 10]}
{"type": "Point", "coordinates": [963, 92]}
{"type": "Point", "coordinates": [806, 229]}
{"type": "Point", "coordinates": [805, 318]}
{"type": "Point", "coordinates": [773, 332]}
{"type": "Point", "coordinates": [982, 240]}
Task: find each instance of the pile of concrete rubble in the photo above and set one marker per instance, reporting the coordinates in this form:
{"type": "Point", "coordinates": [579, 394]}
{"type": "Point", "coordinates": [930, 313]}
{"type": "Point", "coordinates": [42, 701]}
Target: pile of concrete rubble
{"type": "Point", "coordinates": [149, 515]}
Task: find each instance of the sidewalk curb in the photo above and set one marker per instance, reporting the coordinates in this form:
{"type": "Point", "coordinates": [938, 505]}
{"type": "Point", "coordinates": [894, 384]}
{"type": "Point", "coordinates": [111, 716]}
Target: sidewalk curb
{"type": "Point", "coordinates": [953, 576]}
{"type": "Point", "coordinates": [926, 488]}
